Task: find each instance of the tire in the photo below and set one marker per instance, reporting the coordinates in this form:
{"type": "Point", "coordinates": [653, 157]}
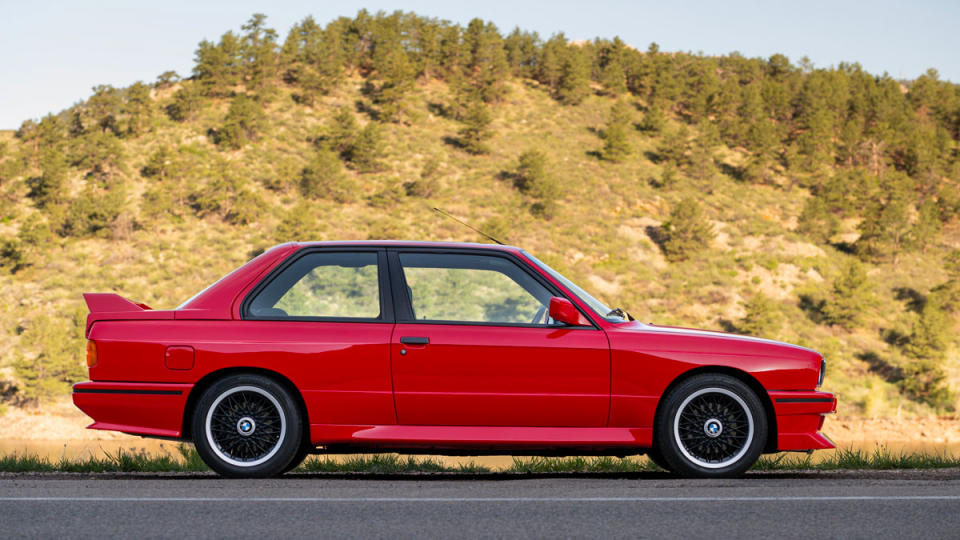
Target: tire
{"type": "Point", "coordinates": [298, 458]}
{"type": "Point", "coordinates": [247, 426]}
{"type": "Point", "coordinates": [711, 426]}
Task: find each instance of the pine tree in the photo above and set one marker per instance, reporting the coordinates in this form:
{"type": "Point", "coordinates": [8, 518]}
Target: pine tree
{"type": "Point", "coordinates": [52, 365]}
{"type": "Point", "coordinates": [653, 120]}
{"type": "Point", "coordinates": [948, 293]}
{"type": "Point", "coordinates": [476, 128]}
{"type": "Point", "coordinates": [139, 108]}
{"type": "Point", "coordinates": [927, 228]}
{"type": "Point", "coordinates": [762, 317]}
{"type": "Point", "coordinates": [366, 151]}
{"type": "Point", "coordinates": [218, 67]}
{"type": "Point", "coordinates": [573, 85]}
{"type": "Point", "coordinates": [185, 103]}
{"type": "Point", "coordinates": [396, 74]}
{"type": "Point", "coordinates": [852, 295]}
{"type": "Point", "coordinates": [486, 61]}
{"type": "Point", "coordinates": [342, 133]}
{"type": "Point", "coordinates": [687, 231]}
{"type": "Point", "coordinates": [550, 62]}
{"type": "Point", "coordinates": [260, 54]}
{"type": "Point", "coordinates": [48, 188]}
{"type": "Point", "coordinates": [612, 61]}
{"type": "Point", "coordinates": [616, 145]}
{"type": "Point", "coordinates": [243, 123]}
{"type": "Point", "coordinates": [531, 178]}
{"type": "Point", "coordinates": [323, 177]}
{"type": "Point", "coordinates": [817, 222]}
{"type": "Point", "coordinates": [923, 376]}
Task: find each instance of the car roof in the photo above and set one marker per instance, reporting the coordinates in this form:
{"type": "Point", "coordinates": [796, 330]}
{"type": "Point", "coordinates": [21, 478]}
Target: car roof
{"type": "Point", "coordinates": [408, 243]}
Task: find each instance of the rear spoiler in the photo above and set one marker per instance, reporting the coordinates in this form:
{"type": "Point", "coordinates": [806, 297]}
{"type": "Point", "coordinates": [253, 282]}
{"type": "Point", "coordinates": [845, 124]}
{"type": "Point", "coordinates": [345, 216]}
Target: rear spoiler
{"type": "Point", "coordinates": [113, 307]}
{"type": "Point", "coordinates": [111, 302]}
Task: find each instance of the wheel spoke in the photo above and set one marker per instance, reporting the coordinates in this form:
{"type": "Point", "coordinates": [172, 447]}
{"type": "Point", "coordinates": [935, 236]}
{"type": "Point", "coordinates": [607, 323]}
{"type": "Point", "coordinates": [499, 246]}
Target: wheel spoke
{"type": "Point", "coordinates": [728, 422]}
{"type": "Point", "coordinates": [246, 446]}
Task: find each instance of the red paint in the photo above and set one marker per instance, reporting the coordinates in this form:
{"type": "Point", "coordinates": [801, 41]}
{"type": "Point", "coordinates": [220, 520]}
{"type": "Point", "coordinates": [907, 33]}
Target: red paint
{"type": "Point", "coordinates": [477, 388]}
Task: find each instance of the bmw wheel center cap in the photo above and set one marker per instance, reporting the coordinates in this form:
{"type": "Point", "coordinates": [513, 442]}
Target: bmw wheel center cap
{"type": "Point", "coordinates": [713, 428]}
{"type": "Point", "coordinates": [246, 426]}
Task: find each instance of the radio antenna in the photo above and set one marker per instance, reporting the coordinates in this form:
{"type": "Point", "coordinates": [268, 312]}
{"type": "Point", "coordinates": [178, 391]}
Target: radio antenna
{"type": "Point", "coordinates": [474, 229]}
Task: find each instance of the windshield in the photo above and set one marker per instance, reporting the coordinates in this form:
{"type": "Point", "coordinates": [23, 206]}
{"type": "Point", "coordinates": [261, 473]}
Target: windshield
{"type": "Point", "coordinates": [597, 306]}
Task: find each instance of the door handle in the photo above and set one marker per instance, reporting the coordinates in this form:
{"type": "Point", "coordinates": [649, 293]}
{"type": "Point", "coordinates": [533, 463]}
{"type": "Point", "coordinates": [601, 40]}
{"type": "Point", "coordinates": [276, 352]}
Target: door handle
{"type": "Point", "coordinates": [415, 340]}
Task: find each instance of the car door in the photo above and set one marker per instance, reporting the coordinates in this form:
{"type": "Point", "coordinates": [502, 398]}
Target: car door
{"type": "Point", "coordinates": [474, 346]}
{"type": "Point", "coordinates": [324, 319]}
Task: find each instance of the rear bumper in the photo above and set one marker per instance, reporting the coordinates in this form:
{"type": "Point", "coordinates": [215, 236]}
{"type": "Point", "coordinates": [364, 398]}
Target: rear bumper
{"type": "Point", "coordinates": [150, 409]}
{"type": "Point", "coordinates": [800, 417]}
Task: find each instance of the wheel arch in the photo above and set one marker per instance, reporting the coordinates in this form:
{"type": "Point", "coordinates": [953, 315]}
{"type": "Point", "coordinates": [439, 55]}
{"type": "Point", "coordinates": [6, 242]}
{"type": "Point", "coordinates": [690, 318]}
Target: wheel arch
{"type": "Point", "coordinates": [771, 443]}
{"type": "Point", "coordinates": [204, 383]}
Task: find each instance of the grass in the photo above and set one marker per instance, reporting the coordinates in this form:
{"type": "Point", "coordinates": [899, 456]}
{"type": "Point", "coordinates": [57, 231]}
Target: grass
{"type": "Point", "coordinates": [880, 459]}
{"type": "Point", "coordinates": [122, 461]}
{"type": "Point", "coordinates": [188, 460]}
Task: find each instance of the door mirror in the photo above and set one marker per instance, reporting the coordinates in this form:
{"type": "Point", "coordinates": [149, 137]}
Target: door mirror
{"type": "Point", "coordinates": [564, 311]}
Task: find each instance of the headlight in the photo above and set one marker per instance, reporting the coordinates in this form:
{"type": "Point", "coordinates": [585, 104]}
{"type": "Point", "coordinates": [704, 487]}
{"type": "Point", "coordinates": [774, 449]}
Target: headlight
{"type": "Point", "coordinates": [823, 371]}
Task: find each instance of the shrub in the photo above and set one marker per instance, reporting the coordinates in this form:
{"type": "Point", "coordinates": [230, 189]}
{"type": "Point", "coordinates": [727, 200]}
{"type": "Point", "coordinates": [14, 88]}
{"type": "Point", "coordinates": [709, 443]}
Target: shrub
{"type": "Point", "coordinates": [687, 231]}
{"type": "Point", "coordinates": [616, 145]}
{"type": "Point", "coordinates": [852, 295]}
{"type": "Point", "coordinates": [763, 318]}
{"type": "Point", "coordinates": [298, 224]}
{"type": "Point", "coordinates": [186, 102]}
{"type": "Point", "coordinates": [243, 123]}
{"type": "Point", "coordinates": [476, 127]}
{"type": "Point", "coordinates": [92, 212]}
{"type": "Point", "coordinates": [323, 177]}
{"type": "Point", "coordinates": [58, 363]}
{"type": "Point", "coordinates": [923, 377]}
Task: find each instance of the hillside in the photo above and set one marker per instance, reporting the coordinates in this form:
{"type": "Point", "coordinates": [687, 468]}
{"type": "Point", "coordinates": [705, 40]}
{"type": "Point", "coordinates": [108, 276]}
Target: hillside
{"type": "Point", "coordinates": [816, 206]}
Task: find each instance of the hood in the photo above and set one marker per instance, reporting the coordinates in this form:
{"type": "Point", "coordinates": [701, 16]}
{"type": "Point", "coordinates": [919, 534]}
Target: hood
{"type": "Point", "coordinates": [717, 334]}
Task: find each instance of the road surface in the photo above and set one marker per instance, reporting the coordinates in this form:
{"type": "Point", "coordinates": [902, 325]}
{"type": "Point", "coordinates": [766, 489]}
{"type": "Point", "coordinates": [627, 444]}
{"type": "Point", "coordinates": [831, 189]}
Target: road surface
{"type": "Point", "coordinates": [773, 505]}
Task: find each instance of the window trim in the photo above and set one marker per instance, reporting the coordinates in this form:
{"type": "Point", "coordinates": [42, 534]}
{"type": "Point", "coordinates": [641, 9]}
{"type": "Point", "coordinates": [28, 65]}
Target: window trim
{"type": "Point", "coordinates": [403, 304]}
{"type": "Point", "coordinates": [383, 282]}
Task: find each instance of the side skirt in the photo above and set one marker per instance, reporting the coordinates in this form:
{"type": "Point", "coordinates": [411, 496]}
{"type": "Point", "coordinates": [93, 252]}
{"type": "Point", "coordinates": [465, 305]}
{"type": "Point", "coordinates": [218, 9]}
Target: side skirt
{"type": "Point", "coordinates": [480, 440]}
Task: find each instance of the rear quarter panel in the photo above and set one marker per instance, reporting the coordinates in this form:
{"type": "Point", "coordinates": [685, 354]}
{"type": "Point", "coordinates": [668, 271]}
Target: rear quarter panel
{"type": "Point", "coordinates": [341, 369]}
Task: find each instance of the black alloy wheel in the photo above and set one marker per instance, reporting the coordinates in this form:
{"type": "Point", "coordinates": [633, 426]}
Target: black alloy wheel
{"type": "Point", "coordinates": [710, 425]}
{"type": "Point", "coordinates": [248, 426]}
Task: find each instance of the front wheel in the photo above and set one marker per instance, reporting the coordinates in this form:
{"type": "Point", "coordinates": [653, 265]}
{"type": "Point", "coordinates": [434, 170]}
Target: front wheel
{"type": "Point", "coordinates": [247, 426]}
{"type": "Point", "coordinates": [711, 426]}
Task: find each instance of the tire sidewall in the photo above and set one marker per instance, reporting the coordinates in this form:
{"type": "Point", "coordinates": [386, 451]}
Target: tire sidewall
{"type": "Point", "coordinates": [290, 444]}
{"type": "Point", "coordinates": [668, 446]}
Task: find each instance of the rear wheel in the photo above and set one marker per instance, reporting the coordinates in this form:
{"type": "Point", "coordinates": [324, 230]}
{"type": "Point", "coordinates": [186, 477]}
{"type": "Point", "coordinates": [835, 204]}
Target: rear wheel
{"type": "Point", "coordinates": [711, 425]}
{"type": "Point", "coordinates": [247, 426]}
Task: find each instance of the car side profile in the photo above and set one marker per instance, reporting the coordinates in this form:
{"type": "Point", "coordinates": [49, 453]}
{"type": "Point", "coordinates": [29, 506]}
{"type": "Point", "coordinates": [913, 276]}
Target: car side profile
{"type": "Point", "coordinates": [439, 348]}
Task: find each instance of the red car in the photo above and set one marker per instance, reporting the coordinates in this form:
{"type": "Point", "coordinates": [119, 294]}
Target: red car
{"type": "Point", "coordinates": [440, 348]}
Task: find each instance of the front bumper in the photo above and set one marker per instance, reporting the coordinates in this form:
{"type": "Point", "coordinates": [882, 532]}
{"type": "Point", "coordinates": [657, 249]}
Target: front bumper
{"type": "Point", "coordinates": [800, 417]}
{"type": "Point", "coordinates": [149, 409]}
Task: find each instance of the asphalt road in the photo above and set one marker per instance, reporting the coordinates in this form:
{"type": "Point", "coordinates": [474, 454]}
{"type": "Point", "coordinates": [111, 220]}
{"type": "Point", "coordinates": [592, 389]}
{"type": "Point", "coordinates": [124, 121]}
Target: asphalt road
{"type": "Point", "coordinates": [809, 505]}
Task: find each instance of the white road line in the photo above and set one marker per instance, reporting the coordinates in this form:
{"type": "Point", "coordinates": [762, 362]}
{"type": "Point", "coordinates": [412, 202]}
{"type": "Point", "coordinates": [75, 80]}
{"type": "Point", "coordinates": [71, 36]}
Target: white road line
{"type": "Point", "coordinates": [487, 499]}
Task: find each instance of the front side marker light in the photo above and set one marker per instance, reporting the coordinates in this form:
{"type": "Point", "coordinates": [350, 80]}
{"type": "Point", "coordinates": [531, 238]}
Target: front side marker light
{"type": "Point", "coordinates": [91, 354]}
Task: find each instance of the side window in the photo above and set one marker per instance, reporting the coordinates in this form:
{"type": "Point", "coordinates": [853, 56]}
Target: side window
{"type": "Point", "coordinates": [336, 285]}
{"type": "Point", "coordinates": [473, 288]}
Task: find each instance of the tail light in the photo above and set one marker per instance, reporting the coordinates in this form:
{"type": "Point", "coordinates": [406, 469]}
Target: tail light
{"type": "Point", "coordinates": [91, 354]}
{"type": "Point", "coordinates": [823, 371]}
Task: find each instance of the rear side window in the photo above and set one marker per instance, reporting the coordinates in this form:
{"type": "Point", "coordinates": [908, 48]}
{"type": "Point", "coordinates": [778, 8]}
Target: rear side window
{"type": "Point", "coordinates": [323, 285]}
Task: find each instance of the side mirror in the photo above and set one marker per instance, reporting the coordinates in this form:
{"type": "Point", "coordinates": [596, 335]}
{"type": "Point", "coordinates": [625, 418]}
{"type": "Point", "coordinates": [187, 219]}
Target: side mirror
{"type": "Point", "coordinates": [564, 311]}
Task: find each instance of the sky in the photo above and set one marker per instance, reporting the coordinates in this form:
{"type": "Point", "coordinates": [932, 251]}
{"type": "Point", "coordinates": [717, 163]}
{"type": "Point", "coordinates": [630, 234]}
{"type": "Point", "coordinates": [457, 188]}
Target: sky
{"type": "Point", "coordinates": [52, 52]}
